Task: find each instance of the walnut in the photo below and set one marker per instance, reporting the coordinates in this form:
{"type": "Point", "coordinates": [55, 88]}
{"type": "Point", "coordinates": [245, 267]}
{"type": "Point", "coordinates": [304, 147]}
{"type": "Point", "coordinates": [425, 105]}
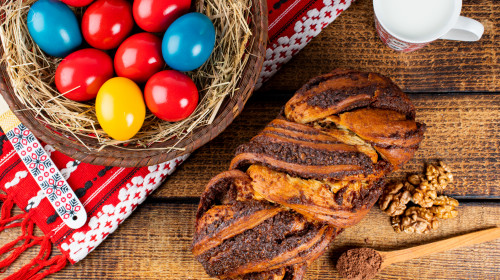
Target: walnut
{"type": "Point", "coordinates": [409, 187]}
{"type": "Point", "coordinates": [394, 199]}
{"type": "Point", "coordinates": [424, 194]}
{"type": "Point", "coordinates": [424, 191]}
{"type": "Point", "coordinates": [445, 200]}
{"type": "Point", "coordinates": [444, 207]}
{"type": "Point", "coordinates": [439, 176]}
{"type": "Point", "coordinates": [445, 168]}
{"type": "Point", "coordinates": [415, 220]}
{"type": "Point", "coordinates": [431, 172]}
{"type": "Point", "coordinates": [415, 179]}
{"type": "Point", "coordinates": [396, 223]}
{"type": "Point", "coordinates": [444, 173]}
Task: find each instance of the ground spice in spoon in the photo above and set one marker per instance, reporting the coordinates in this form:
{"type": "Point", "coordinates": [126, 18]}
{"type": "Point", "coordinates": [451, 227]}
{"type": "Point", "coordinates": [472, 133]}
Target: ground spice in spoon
{"type": "Point", "coordinates": [359, 264]}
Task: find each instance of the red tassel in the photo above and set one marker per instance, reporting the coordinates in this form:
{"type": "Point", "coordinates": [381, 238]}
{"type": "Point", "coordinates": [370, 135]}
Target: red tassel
{"type": "Point", "coordinates": [30, 271]}
{"type": "Point", "coordinates": [6, 219]}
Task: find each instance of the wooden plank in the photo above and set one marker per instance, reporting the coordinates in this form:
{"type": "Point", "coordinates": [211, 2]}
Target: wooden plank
{"type": "Point", "coordinates": [154, 244]}
{"type": "Point", "coordinates": [352, 42]}
{"type": "Point", "coordinates": [463, 130]}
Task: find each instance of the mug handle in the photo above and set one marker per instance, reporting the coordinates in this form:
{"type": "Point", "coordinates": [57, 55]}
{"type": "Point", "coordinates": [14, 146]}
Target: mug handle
{"type": "Point", "coordinates": [466, 29]}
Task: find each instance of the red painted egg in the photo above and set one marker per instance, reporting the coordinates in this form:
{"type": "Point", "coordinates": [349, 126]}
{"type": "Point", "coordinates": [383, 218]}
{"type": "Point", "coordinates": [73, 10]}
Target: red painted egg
{"type": "Point", "coordinates": [157, 15]}
{"type": "Point", "coordinates": [106, 23]}
{"type": "Point", "coordinates": [77, 3]}
{"type": "Point", "coordinates": [80, 75]}
{"type": "Point", "coordinates": [171, 95]}
{"type": "Point", "coordinates": [139, 57]}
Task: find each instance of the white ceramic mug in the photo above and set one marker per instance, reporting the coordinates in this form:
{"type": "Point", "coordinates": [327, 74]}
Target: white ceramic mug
{"type": "Point", "coordinates": [408, 25]}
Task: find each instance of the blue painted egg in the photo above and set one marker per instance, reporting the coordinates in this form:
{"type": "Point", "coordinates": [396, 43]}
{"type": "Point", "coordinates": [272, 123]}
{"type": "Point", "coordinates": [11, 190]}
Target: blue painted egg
{"type": "Point", "coordinates": [54, 27]}
{"type": "Point", "coordinates": [188, 42]}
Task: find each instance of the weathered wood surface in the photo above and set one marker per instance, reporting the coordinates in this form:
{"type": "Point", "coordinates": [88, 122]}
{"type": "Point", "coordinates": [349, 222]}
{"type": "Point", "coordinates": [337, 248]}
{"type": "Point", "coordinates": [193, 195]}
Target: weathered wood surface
{"type": "Point", "coordinates": [154, 244]}
{"type": "Point", "coordinates": [352, 42]}
{"type": "Point", "coordinates": [463, 130]}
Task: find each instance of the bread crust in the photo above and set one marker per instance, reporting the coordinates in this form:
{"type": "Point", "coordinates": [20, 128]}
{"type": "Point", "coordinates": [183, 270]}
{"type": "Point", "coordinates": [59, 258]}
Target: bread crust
{"type": "Point", "coordinates": [313, 171]}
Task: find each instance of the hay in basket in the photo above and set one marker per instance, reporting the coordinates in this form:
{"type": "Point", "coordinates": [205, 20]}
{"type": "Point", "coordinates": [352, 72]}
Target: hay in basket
{"type": "Point", "coordinates": [31, 74]}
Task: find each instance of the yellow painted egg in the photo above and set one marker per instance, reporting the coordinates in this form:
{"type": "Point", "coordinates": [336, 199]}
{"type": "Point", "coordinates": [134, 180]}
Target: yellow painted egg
{"type": "Point", "coordinates": [120, 108]}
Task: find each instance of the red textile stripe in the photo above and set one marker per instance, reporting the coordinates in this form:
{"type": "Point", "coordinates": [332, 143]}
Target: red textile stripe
{"type": "Point", "coordinates": [292, 25]}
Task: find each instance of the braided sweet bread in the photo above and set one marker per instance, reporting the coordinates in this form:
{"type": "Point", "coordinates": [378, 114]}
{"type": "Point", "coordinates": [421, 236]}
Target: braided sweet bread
{"type": "Point", "coordinates": [314, 170]}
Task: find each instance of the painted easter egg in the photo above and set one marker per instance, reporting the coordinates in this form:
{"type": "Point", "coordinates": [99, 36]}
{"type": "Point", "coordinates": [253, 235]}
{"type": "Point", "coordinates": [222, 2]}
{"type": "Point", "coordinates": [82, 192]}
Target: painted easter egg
{"type": "Point", "coordinates": [157, 15]}
{"type": "Point", "coordinates": [106, 23]}
{"type": "Point", "coordinates": [171, 95]}
{"type": "Point", "coordinates": [120, 108]}
{"type": "Point", "coordinates": [77, 3]}
{"type": "Point", "coordinates": [54, 27]}
{"type": "Point", "coordinates": [80, 75]}
{"type": "Point", "coordinates": [188, 42]}
{"type": "Point", "coordinates": [139, 57]}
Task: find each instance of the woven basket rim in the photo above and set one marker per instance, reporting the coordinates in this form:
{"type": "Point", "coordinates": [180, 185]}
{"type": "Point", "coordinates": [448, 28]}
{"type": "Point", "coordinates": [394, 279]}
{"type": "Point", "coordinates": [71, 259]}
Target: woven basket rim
{"type": "Point", "coordinates": [114, 156]}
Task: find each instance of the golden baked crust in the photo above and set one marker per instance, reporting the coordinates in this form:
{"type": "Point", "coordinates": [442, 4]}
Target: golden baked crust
{"type": "Point", "coordinates": [344, 90]}
{"type": "Point", "coordinates": [339, 204]}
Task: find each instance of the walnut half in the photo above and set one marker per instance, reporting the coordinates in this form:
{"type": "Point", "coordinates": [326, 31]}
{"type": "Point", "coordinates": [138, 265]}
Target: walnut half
{"type": "Point", "coordinates": [444, 207]}
{"type": "Point", "coordinates": [394, 199]}
{"type": "Point", "coordinates": [415, 220]}
{"type": "Point", "coordinates": [439, 176]}
{"type": "Point", "coordinates": [424, 194]}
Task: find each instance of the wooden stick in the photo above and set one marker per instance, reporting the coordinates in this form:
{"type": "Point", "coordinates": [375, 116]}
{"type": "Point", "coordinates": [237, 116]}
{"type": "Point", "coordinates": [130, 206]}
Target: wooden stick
{"type": "Point", "coordinates": [439, 246]}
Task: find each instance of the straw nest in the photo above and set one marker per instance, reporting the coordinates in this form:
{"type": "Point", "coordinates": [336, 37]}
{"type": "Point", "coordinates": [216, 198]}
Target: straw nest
{"type": "Point", "coordinates": [32, 76]}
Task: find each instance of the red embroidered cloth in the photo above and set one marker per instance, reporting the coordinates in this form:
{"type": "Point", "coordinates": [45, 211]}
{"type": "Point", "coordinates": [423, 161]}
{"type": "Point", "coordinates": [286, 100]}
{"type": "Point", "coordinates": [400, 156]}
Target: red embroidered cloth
{"type": "Point", "coordinates": [110, 194]}
{"type": "Point", "coordinates": [292, 25]}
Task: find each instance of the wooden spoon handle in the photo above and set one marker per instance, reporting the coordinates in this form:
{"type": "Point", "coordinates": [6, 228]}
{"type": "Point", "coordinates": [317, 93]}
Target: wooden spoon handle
{"type": "Point", "coordinates": [440, 246]}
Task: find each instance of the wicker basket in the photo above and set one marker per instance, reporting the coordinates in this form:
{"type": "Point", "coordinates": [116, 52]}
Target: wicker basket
{"type": "Point", "coordinates": [115, 156]}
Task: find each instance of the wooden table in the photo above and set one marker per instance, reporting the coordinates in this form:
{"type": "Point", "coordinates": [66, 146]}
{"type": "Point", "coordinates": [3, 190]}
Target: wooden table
{"type": "Point", "coordinates": [456, 89]}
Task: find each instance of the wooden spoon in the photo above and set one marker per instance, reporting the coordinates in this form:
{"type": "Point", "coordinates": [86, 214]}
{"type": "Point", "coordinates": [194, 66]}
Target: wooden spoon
{"type": "Point", "coordinates": [364, 263]}
{"type": "Point", "coordinates": [390, 257]}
